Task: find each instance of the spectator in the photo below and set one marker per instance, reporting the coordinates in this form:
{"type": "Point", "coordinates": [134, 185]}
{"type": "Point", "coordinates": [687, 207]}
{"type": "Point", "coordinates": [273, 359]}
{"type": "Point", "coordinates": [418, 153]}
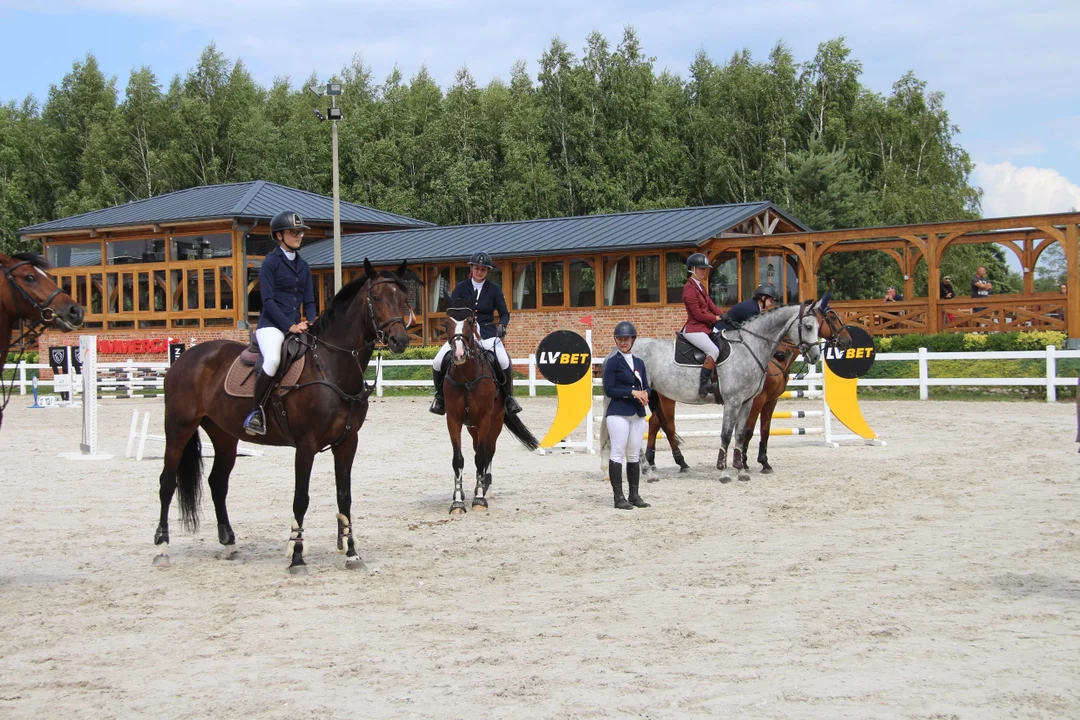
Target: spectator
{"type": "Point", "coordinates": [980, 286]}
{"type": "Point", "coordinates": [947, 293]}
{"type": "Point", "coordinates": [1064, 289]}
{"type": "Point", "coordinates": [892, 296]}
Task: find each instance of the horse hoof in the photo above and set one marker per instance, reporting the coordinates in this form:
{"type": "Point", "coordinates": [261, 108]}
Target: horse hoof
{"type": "Point", "coordinates": [652, 479]}
{"type": "Point", "coordinates": [766, 470]}
{"type": "Point", "coordinates": [457, 511]}
{"type": "Point", "coordinates": [479, 507]}
{"type": "Point", "coordinates": [298, 570]}
{"type": "Point", "coordinates": [229, 553]}
{"type": "Point", "coordinates": [355, 563]}
{"type": "Point", "coordinates": [725, 478]}
{"type": "Point", "coordinates": [161, 561]}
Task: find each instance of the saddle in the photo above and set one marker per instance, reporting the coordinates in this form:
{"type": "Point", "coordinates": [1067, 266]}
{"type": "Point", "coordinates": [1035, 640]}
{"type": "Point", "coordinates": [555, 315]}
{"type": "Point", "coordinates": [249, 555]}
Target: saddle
{"type": "Point", "coordinates": [689, 356]}
{"type": "Point", "coordinates": [240, 382]}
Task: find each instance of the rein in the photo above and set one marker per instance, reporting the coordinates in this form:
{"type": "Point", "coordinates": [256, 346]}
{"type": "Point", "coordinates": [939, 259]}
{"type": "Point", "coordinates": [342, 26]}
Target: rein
{"type": "Point", "coordinates": [472, 352]}
{"type": "Point", "coordinates": [802, 346]}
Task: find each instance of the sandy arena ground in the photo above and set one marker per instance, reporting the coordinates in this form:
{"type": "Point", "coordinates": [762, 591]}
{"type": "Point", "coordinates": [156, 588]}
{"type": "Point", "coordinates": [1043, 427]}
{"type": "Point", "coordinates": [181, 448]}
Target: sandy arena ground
{"type": "Point", "coordinates": [938, 577]}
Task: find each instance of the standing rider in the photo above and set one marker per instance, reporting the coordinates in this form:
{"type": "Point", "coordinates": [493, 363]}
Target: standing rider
{"type": "Point", "coordinates": [764, 298]}
{"type": "Point", "coordinates": [487, 299]}
{"type": "Point", "coordinates": [626, 383]}
{"type": "Point", "coordinates": [285, 284]}
{"type": "Point", "coordinates": [701, 314]}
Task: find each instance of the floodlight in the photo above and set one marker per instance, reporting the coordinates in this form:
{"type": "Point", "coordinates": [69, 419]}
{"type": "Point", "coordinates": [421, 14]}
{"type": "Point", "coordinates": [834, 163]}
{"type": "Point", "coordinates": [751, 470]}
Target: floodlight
{"type": "Point", "coordinates": [318, 90]}
{"type": "Point", "coordinates": [317, 114]}
{"type": "Point", "coordinates": [333, 113]}
{"type": "Point", "coordinates": [333, 88]}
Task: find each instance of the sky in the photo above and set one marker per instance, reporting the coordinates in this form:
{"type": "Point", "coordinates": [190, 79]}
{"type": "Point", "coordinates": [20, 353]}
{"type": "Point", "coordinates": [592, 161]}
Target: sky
{"type": "Point", "coordinates": [1010, 71]}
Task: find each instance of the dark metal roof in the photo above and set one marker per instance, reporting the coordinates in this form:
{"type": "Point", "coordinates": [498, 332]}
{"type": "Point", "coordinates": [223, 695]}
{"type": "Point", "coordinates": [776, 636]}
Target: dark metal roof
{"type": "Point", "coordinates": [554, 236]}
{"type": "Point", "coordinates": [255, 200]}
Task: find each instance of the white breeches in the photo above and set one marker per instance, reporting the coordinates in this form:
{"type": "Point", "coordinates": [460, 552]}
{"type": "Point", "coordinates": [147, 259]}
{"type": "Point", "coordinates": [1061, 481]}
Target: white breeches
{"type": "Point", "coordinates": [704, 343]}
{"type": "Point", "coordinates": [489, 344]}
{"type": "Point", "coordinates": [626, 433]}
{"type": "Point", "coordinates": [270, 340]}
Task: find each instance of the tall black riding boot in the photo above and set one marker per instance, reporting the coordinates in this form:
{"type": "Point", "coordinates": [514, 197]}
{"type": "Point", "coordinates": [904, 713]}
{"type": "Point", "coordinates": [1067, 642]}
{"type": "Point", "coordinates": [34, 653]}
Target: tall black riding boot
{"type": "Point", "coordinates": [614, 470]}
{"type": "Point", "coordinates": [506, 382]}
{"type": "Point", "coordinates": [705, 381]}
{"type": "Point", "coordinates": [438, 405]}
{"type": "Point", "coordinates": [255, 424]}
{"type": "Point", "coordinates": [633, 478]}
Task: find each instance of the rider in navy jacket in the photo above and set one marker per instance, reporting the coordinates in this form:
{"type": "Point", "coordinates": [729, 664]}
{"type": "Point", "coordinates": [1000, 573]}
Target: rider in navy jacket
{"type": "Point", "coordinates": [628, 388]}
{"type": "Point", "coordinates": [491, 301]}
{"type": "Point", "coordinates": [285, 285]}
{"type": "Point", "coordinates": [763, 299]}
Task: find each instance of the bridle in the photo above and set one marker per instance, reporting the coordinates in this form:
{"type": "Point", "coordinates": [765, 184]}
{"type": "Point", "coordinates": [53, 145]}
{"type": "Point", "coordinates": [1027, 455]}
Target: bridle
{"type": "Point", "coordinates": [802, 345]}
{"type": "Point", "coordinates": [46, 315]}
{"type": "Point", "coordinates": [468, 339]}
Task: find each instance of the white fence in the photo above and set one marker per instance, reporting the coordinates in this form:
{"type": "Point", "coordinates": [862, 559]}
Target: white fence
{"type": "Point", "coordinates": [126, 378]}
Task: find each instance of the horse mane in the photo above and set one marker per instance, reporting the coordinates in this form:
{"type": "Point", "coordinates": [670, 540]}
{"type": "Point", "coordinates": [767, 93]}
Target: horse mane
{"type": "Point", "coordinates": [345, 296]}
{"type": "Point", "coordinates": [32, 258]}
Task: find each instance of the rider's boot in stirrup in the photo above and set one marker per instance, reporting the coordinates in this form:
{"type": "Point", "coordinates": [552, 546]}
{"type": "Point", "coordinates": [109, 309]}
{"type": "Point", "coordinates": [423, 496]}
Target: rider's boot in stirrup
{"type": "Point", "coordinates": [438, 405]}
{"type": "Point", "coordinates": [705, 385]}
{"type": "Point", "coordinates": [255, 423]}
{"type": "Point", "coordinates": [506, 380]}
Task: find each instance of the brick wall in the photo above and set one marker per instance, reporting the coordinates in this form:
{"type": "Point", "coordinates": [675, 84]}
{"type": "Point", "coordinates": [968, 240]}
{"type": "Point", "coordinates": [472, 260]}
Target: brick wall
{"type": "Point", "coordinates": [527, 329]}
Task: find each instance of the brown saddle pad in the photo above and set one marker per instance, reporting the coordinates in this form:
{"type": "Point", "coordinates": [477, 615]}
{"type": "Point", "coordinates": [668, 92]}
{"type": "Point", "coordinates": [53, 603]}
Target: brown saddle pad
{"type": "Point", "coordinates": [240, 382]}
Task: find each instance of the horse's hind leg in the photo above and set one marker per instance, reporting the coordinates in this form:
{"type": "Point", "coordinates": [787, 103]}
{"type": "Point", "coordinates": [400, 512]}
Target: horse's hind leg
{"type": "Point", "coordinates": [738, 460]}
{"type": "Point", "coordinates": [667, 419]}
{"type": "Point", "coordinates": [763, 443]}
{"type": "Point", "coordinates": [177, 440]}
{"type": "Point", "coordinates": [344, 453]}
{"type": "Point", "coordinates": [224, 461]}
{"type": "Point", "coordinates": [305, 457]}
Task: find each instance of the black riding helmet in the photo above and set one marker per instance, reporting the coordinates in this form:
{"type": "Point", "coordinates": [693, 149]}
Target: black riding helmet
{"type": "Point", "coordinates": [482, 259]}
{"type": "Point", "coordinates": [697, 260]}
{"type": "Point", "coordinates": [287, 220]}
{"type": "Point", "coordinates": [765, 290]}
{"type": "Point", "coordinates": [625, 329]}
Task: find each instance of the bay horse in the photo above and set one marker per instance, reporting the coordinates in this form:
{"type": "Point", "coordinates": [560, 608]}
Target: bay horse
{"type": "Point", "coordinates": [323, 409]}
{"type": "Point", "coordinates": [776, 381]}
{"type": "Point", "coordinates": [30, 294]}
{"type": "Point", "coordinates": [472, 401]}
{"type": "Point", "coordinates": [741, 377]}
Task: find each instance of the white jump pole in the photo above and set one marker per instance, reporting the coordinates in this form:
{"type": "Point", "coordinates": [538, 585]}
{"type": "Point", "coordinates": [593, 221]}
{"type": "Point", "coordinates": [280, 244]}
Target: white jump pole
{"type": "Point", "coordinates": [88, 447]}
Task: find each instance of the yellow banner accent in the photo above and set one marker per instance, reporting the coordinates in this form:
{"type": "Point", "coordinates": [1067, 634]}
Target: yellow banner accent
{"type": "Point", "coordinates": [575, 402]}
{"type": "Point", "coordinates": [842, 396]}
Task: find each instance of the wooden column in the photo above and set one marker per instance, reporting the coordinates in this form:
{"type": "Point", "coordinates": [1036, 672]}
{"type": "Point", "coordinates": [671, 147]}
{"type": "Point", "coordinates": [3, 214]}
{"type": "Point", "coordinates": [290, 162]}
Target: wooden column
{"type": "Point", "coordinates": [933, 284]}
{"type": "Point", "coordinates": [1072, 302]}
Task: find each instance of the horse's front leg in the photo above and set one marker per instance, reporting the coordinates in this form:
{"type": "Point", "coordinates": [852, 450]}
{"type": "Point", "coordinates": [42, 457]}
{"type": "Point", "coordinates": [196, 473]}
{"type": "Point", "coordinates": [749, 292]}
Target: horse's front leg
{"type": "Point", "coordinates": [457, 507]}
{"type": "Point", "coordinates": [742, 435]}
{"type": "Point", "coordinates": [726, 430]}
{"type": "Point", "coordinates": [344, 452]}
{"type": "Point", "coordinates": [295, 549]}
{"type": "Point", "coordinates": [763, 442]}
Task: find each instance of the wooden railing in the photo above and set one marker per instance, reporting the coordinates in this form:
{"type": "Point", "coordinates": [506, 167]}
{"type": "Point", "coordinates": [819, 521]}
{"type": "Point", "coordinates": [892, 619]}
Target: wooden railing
{"type": "Point", "coordinates": [1003, 313]}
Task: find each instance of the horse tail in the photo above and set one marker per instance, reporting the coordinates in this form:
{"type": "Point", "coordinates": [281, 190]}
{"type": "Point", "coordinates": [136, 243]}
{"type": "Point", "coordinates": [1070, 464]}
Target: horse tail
{"type": "Point", "coordinates": [189, 482]}
{"type": "Point", "coordinates": [657, 407]}
{"type": "Point", "coordinates": [517, 429]}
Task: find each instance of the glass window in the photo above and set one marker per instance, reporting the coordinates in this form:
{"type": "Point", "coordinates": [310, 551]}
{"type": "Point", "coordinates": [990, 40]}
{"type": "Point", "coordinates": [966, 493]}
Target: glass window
{"type": "Point", "coordinates": [151, 324]}
{"type": "Point", "coordinates": [76, 255]}
{"type": "Point", "coordinates": [123, 252]}
{"type": "Point", "coordinates": [253, 294]}
{"type": "Point", "coordinates": [161, 291]}
{"type": "Point", "coordinates": [80, 290]}
{"type": "Point", "coordinates": [257, 245]}
{"type": "Point", "coordinates": [616, 280]}
{"type": "Point", "coordinates": [144, 292]}
{"type": "Point", "coordinates": [582, 283]}
{"type": "Point", "coordinates": [97, 294]}
{"type": "Point", "coordinates": [724, 279]}
{"type": "Point", "coordinates": [201, 247]}
{"type": "Point", "coordinates": [524, 294]}
{"type": "Point", "coordinates": [177, 289]}
{"type": "Point", "coordinates": [112, 290]}
{"type": "Point", "coordinates": [647, 279]}
{"type": "Point", "coordinates": [461, 272]}
{"type": "Point", "coordinates": [676, 276]}
{"type": "Point", "coordinates": [551, 284]}
{"type": "Point", "coordinates": [192, 289]}
{"type": "Point", "coordinates": [225, 288]}
{"type": "Point", "coordinates": [209, 297]}
{"type": "Point", "coordinates": [792, 286]}
{"type": "Point", "coordinates": [770, 270]}
{"type": "Point", "coordinates": [439, 288]}
{"type": "Point", "coordinates": [416, 292]}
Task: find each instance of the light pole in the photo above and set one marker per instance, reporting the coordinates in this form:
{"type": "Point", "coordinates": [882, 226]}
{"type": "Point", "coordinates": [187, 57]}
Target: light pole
{"type": "Point", "coordinates": [333, 114]}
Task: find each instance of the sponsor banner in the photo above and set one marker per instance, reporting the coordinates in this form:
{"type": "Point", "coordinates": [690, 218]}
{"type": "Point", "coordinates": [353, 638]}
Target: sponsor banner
{"type": "Point", "coordinates": [175, 351]}
{"type": "Point", "coordinates": [563, 357]}
{"type": "Point", "coordinates": [856, 360]}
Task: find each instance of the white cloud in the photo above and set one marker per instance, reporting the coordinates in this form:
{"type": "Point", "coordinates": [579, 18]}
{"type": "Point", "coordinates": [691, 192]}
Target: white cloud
{"type": "Point", "coordinates": [1009, 190]}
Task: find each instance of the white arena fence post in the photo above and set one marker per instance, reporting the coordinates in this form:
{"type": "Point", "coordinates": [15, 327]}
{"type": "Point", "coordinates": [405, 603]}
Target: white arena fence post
{"type": "Point", "coordinates": [378, 381]}
{"type": "Point", "coordinates": [1051, 374]}
{"type": "Point", "coordinates": [532, 374]}
{"type": "Point", "coordinates": [22, 377]}
{"type": "Point", "coordinates": [88, 449]}
{"type": "Point", "coordinates": [924, 375]}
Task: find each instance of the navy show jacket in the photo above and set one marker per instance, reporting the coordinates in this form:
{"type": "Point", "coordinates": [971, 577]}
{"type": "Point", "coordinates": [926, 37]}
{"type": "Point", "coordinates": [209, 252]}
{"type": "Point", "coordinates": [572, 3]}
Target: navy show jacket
{"type": "Point", "coordinates": [620, 382]}
{"type": "Point", "coordinates": [740, 313]}
{"type": "Point", "coordinates": [491, 300]}
{"type": "Point", "coordinates": [285, 285]}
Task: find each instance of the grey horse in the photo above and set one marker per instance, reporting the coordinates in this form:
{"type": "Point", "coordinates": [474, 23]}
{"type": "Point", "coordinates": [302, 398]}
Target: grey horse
{"type": "Point", "coordinates": [741, 375]}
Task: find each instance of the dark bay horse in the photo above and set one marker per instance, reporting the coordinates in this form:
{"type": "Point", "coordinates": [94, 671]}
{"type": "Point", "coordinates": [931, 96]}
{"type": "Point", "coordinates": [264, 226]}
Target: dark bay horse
{"type": "Point", "coordinates": [29, 294]}
{"type": "Point", "coordinates": [472, 401]}
{"type": "Point", "coordinates": [324, 409]}
{"type": "Point", "coordinates": [776, 381]}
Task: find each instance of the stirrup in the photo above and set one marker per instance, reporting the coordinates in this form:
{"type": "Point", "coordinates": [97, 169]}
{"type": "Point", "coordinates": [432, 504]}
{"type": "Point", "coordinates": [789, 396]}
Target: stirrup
{"type": "Point", "coordinates": [438, 405]}
{"type": "Point", "coordinates": [255, 423]}
{"type": "Point", "coordinates": [511, 404]}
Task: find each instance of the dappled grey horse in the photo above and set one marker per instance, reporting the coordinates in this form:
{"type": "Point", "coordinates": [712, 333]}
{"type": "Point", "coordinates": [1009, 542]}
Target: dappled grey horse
{"type": "Point", "coordinates": [741, 376]}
